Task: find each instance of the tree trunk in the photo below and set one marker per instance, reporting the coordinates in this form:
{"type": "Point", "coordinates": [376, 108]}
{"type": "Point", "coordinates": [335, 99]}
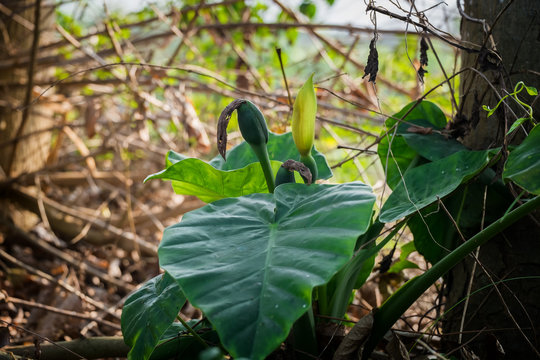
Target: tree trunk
{"type": "Point", "coordinates": [515, 253]}
{"type": "Point", "coordinates": [24, 140]}
{"type": "Point", "coordinates": [17, 119]}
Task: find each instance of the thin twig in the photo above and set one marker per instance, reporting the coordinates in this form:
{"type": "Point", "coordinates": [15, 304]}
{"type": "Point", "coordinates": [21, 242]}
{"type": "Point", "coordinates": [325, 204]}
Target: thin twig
{"type": "Point", "coordinates": [61, 283]}
{"type": "Point", "coordinates": [187, 68]}
{"type": "Point", "coordinates": [424, 27]}
{"type": "Point", "coordinates": [430, 350]}
{"type": "Point", "coordinates": [147, 247]}
{"type": "Point", "coordinates": [101, 314]}
{"type": "Point", "coordinates": [203, 27]}
{"type": "Point", "coordinates": [41, 207]}
{"type": "Point", "coordinates": [369, 152]}
{"type": "Point", "coordinates": [421, 16]}
{"type": "Point", "coordinates": [183, 35]}
{"type": "Point", "coordinates": [42, 338]}
{"type": "Point", "coordinates": [56, 310]}
{"type": "Point", "coordinates": [497, 290]}
{"type": "Point", "coordinates": [278, 52]}
{"type": "Point", "coordinates": [66, 257]}
{"type": "Point", "coordinates": [473, 271]}
{"type": "Point", "coordinates": [346, 59]}
{"type": "Point", "coordinates": [17, 18]}
{"type": "Point", "coordinates": [400, 120]}
{"type": "Point", "coordinates": [331, 44]}
{"type": "Point", "coordinates": [95, 215]}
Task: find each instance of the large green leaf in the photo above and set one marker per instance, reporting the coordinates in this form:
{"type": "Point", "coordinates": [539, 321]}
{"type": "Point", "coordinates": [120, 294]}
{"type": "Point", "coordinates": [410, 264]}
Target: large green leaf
{"type": "Point", "coordinates": [178, 343]}
{"type": "Point", "coordinates": [250, 263]}
{"type": "Point", "coordinates": [422, 185]}
{"type": "Point", "coordinates": [523, 164]}
{"type": "Point", "coordinates": [148, 312]}
{"type": "Point", "coordinates": [192, 176]}
{"type": "Point", "coordinates": [435, 233]}
{"type": "Point", "coordinates": [432, 146]}
{"type": "Point", "coordinates": [240, 175]}
{"type": "Point", "coordinates": [425, 114]}
{"type": "Point", "coordinates": [280, 148]}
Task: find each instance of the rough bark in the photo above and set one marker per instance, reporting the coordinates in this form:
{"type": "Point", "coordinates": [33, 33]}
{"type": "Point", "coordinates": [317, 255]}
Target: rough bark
{"type": "Point", "coordinates": [24, 147]}
{"type": "Point", "coordinates": [516, 36]}
{"type": "Point", "coordinates": [509, 56]}
{"type": "Point", "coordinates": [28, 153]}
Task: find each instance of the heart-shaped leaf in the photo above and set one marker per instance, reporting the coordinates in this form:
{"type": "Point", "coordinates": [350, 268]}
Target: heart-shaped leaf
{"type": "Point", "coordinates": [425, 114]}
{"type": "Point", "coordinates": [191, 176]}
{"type": "Point", "coordinates": [422, 185]}
{"type": "Point", "coordinates": [149, 312]}
{"type": "Point", "coordinates": [250, 263]}
{"type": "Point", "coordinates": [523, 164]}
{"type": "Point", "coordinates": [240, 175]}
{"type": "Point", "coordinates": [531, 90]}
{"type": "Point", "coordinates": [432, 146]}
{"type": "Point", "coordinates": [516, 124]}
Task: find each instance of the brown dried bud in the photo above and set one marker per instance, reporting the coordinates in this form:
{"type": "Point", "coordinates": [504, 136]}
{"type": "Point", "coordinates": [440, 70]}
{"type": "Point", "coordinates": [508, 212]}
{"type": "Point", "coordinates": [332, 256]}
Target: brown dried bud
{"type": "Point", "coordinates": [302, 169]}
{"type": "Point", "coordinates": [223, 122]}
{"type": "Point", "coordinates": [372, 66]}
{"type": "Point", "coordinates": [423, 52]}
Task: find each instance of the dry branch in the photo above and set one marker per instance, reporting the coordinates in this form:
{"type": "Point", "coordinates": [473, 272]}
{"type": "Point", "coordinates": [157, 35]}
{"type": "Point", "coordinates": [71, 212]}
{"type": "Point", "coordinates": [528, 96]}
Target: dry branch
{"type": "Point", "coordinates": [55, 310]}
{"type": "Point", "coordinates": [55, 211]}
{"type": "Point", "coordinates": [60, 60]}
{"type": "Point", "coordinates": [82, 265]}
{"type": "Point", "coordinates": [91, 348]}
{"type": "Point", "coordinates": [60, 283]}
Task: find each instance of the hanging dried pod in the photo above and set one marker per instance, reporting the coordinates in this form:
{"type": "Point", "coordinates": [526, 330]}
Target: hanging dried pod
{"type": "Point", "coordinates": [372, 66]}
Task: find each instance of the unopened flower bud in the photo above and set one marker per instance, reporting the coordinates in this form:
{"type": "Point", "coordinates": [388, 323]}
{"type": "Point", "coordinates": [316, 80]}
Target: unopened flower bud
{"type": "Point", "coordinates": [303, 118]}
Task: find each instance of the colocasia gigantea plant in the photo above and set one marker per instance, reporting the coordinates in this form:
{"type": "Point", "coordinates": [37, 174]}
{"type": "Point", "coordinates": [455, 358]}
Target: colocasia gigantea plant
{"type": "Point", "coordinates": [252, 257]}
{"type": "Point", "coordinates": [266, 248]}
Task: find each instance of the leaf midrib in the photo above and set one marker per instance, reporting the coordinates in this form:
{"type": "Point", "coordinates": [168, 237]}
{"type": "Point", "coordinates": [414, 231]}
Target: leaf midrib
{"type": "Point", "coordinates": [270, 247]}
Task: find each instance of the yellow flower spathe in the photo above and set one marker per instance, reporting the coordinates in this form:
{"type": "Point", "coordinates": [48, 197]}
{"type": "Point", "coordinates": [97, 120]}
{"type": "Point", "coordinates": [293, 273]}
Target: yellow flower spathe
{"type": "Point", "coordinates": [303, 118]}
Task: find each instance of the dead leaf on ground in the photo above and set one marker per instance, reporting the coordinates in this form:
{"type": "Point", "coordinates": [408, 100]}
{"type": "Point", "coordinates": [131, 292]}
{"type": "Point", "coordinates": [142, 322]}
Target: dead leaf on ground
{"type": "Point", "coordinates": [353, 343]}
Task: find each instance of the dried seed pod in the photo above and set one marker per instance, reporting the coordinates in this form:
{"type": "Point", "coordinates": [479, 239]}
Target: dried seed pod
{"type": "Point", "coordinates": [372, 66]}
{"type": "Point", "coordinates": [421, 72]}
{"type": "Point", "coordinates": [223, 122]}
{"type": "Point", "coordinates": [424, 47]}
{"type": "Point", "coordinates": [286, 172]}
